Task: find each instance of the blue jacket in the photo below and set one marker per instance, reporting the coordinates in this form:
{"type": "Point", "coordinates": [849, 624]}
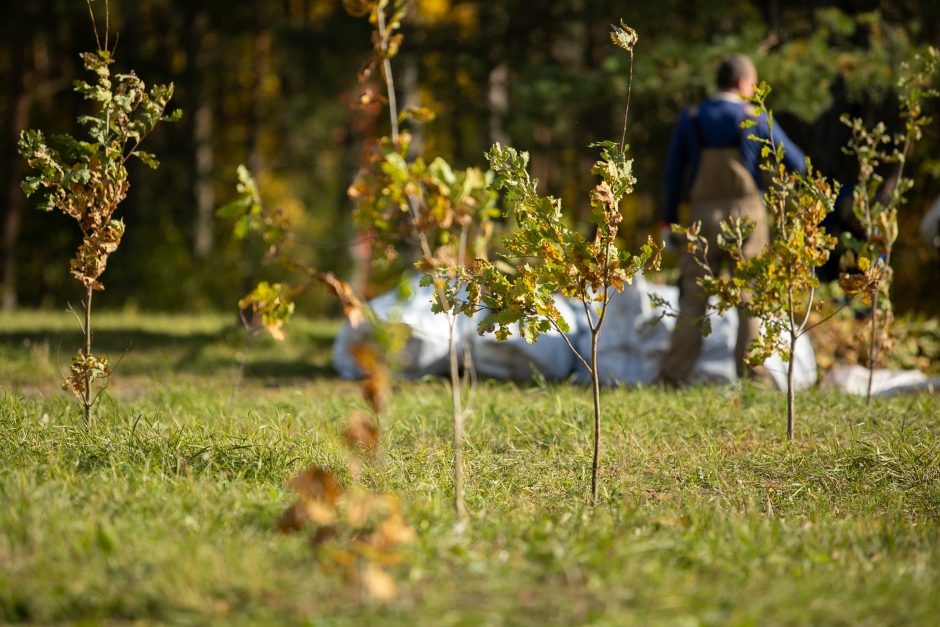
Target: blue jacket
{"type": "Point", "coordinates": [719, 123]}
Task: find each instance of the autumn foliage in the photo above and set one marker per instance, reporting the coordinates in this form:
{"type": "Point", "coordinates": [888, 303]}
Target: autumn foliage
{"type": "Point", "coordinates": [87, 180]}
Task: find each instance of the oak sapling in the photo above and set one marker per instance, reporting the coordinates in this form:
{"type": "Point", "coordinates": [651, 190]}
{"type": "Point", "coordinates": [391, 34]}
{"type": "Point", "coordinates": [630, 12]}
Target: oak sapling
{"type": "Point", "coordinates": [779, 284]}
{"type": "Point", "coordinates": [403, 200]}
{"type": "Point", "coordinates": [87, 180]}
{"type": "Point", "coordinates": [876, 201]}
{"type": "Point", "coordinates": [548, 257]}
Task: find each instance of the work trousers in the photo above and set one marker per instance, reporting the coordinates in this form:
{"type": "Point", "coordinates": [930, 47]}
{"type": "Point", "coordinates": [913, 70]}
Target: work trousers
{"type": "Point", "coordinates": [708, 208]}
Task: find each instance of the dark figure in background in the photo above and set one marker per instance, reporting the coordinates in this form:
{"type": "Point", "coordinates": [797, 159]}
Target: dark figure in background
{"type": "Point", "coordinates": [711, 150]}
{"type": "Point", "coordinates": [837, 223]}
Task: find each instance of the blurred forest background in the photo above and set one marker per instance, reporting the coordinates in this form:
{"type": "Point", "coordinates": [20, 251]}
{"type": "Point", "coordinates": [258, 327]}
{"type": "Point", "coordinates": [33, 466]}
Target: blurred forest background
{"type": "Point", "coordinates": [273, 84]}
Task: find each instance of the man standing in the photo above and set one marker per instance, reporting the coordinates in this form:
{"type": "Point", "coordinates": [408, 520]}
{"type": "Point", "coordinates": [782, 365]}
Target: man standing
{"type": "Point", "coordinates": [710, 149]}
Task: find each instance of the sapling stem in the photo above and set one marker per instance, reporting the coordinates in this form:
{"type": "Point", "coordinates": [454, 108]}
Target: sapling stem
{"type": "Point", "coordinates": [86, 396]}
{"type": "Point", "coordinates": [387, 73]}
{"type": "Point", "coordinates": [596, 391]}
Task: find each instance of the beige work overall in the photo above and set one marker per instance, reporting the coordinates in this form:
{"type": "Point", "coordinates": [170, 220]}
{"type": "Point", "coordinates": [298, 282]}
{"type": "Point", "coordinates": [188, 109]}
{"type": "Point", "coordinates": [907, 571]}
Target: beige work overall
{"type": "Point", "coordinates": [723, 188]}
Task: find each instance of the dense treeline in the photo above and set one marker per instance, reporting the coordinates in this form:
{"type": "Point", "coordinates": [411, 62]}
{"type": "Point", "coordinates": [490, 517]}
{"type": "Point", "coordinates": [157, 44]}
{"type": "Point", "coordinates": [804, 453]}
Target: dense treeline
{"type": "Point", "coordinates": [272, 84]}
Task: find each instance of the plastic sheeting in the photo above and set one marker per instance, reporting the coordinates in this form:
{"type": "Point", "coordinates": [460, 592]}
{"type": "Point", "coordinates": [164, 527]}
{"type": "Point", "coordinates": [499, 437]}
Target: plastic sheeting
{"type": "Point", "coordinates": [426, 351]}
{"type": "Point", "coordinates": [854, 380]}
{"type": "Point", "coordinates": [517, 360]}
{"type": "Point", "coordinates": [636, 336]}
{"type": "Point", "coordinates": [633, 340]}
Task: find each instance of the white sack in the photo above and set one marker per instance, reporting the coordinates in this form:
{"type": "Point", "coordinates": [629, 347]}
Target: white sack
{"type": "Point", "coordinates": [854, 380]}
{"type": "Point", "coordinates": [517, 360]}
{"type": "Point", "coordinates": [426, 351]}
{"type": "Point", "coordinates": [636, 335]}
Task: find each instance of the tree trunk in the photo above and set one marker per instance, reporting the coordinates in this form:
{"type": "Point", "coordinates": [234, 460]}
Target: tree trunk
{"type": "Point", "coordinates": [497, 97]}
{"type": "Point", "coordinates": [203, 188]}
{"type": "Point", "coordinates": [14, 199]}
{"type": "Point", "coordinates": [261, 61]}
{"type": "Point", "coordinates": [252, 247]}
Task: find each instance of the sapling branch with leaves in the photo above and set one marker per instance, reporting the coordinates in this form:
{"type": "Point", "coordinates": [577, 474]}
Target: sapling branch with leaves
{"type": "Point", "coordinates": [443, 211]}
{"type": "Point", "coordinates": [548, 257]}
{"type": "Point", "coordinates": [87, 180]}
{"type": "Point", "coordinates": [778, 285]}
{"type": "Point", "coordinates": [400, 201]}
{"type": "Point", "coordinates": [269, 306]}
{"type": "Point", "coordinates": [876, 201]}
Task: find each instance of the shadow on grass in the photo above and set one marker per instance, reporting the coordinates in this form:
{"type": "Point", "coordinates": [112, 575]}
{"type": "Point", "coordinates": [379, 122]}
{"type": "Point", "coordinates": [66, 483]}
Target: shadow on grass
{"type": "Point", "coordinates": [304, 356]}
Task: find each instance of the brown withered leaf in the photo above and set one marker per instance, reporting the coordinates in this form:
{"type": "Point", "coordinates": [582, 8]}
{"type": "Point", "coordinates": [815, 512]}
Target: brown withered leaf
{"type": "Point", "coordinates": [352, 306]}
{"type": "Point", "coordinates": [318, 484]}
{"type": "Point", "coordinates": [856, 282]}
{"type": "Point", "coordinates": [376, 392]}
{"type": "Point", "coordinates": [379, 585]}
{"type": "Point", "coordinates": [375, 386]}
{"type": "Point", "coordinates": [318, 512]}
{"type": "Point", "coordinates": [366, 70]}
{"type": "Point", "coordinates": [394, 531]}
{"type": "Point", "coordinates": [624, 36]}
{"type": "Point", "coordinates": [293, 519]}
{"type": "Point", "coordinates": [603, 194]}
{"type": "Point", "coordinates": [360, 507]}
{"type": "Point", "coordinates": [321, 535]}
{"type": "Point", "coordinates": [361, 431]}
{"type": "Point", "coordinates": [318, 490]}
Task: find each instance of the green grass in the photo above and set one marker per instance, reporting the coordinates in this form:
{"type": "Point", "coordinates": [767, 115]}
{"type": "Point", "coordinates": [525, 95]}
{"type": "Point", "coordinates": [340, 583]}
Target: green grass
{"type": "Point", "coordinates": [164, 511]}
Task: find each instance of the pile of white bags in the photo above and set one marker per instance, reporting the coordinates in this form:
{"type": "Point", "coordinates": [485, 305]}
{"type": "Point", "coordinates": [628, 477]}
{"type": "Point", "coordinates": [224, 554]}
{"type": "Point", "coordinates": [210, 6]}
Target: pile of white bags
{"type": "Point", "coordinates": [885, 382]}
{"type": "Point", "coordinates": [633, 340]}
{"type": "Point", "coordinates": [636, 336]}
{"type": "Point", "coordinates": [515, 359]}
{"type": "Point", "coordinates": [427, 350]}
{"type": "Point", "coordinates": [425, 353]}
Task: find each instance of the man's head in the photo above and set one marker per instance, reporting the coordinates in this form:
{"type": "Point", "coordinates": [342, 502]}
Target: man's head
{"type": "Point", "coordinates": [737, 74]}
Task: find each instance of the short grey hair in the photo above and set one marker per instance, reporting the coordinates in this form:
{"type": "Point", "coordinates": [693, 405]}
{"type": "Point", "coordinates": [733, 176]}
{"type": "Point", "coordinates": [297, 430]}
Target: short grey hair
{"type": "Point", "coordinates": [733, 69]}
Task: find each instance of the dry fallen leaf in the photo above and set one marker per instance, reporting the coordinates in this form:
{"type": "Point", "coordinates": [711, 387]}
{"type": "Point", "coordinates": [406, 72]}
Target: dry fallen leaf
{"type": "Point", "coordinates": [293, 519]}
{"type": "Point", "coordinates": [318, 490]}
{"type": "Point", "coordinates": [378, 584]}
{"type": "Point", "coordinates": [317, 484]}
{"type": "Point", "coordinates": [394, 531]}
{"type": "Point", "coordinates": [375, 387]}
{"type": "Point", "coordinates": [361, 431]}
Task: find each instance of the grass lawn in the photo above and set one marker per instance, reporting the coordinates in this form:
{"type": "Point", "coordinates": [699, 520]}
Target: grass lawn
{"type": "Point", "coordinates": [165, 510]}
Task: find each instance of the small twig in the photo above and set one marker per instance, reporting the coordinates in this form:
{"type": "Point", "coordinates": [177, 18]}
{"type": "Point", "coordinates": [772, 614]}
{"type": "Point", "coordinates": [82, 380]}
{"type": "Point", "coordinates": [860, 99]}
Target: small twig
{"type": "Point", "coordinates": [587, 308]}
{"type": "Point", "coordinates": [77, 317]}
{"type": "Point", "coordinates": [107, 381]}
{"type": "Point", "coordinates": [94, 25]}
{"type": "Point", "coordinates": [626, 112]}
{"type": "Point", "coordinates": [828, 317]}
{"type": "Point", "coordinates": [564, 336]}
{"type": "Point", "coordinates": [107, 23]}
{"type": "Point", "coordinates": [387, 72]}
{"type": "Point", "coordinates": [809, 309]}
